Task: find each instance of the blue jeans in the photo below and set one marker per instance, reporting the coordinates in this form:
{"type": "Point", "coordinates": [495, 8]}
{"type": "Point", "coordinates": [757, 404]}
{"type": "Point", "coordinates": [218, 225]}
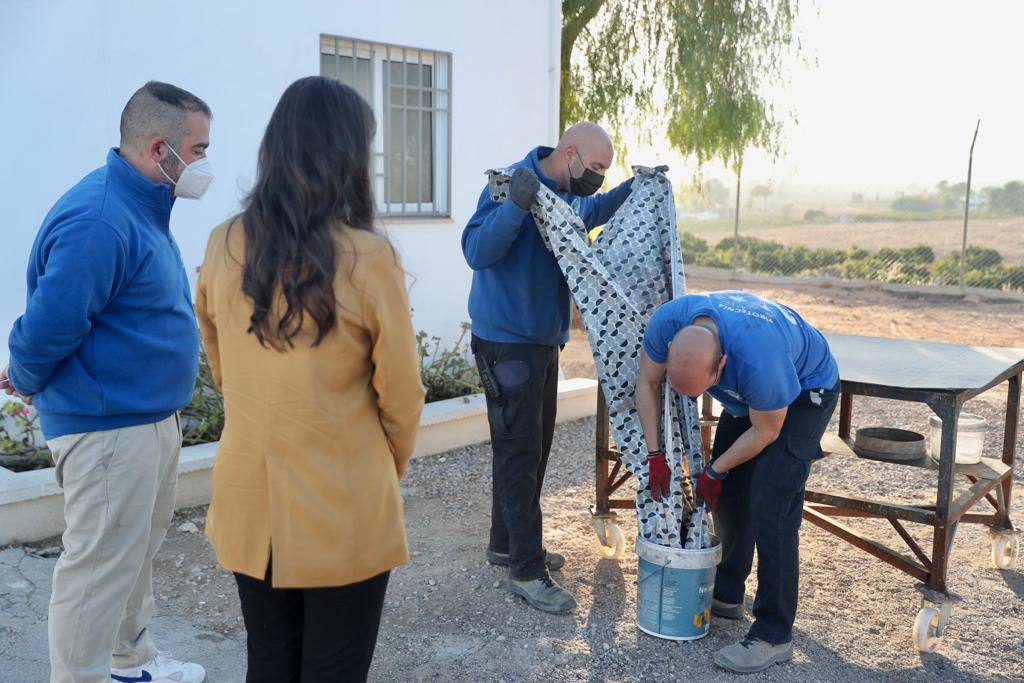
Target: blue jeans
{"type": "Point", "coordinates": [761, 507]}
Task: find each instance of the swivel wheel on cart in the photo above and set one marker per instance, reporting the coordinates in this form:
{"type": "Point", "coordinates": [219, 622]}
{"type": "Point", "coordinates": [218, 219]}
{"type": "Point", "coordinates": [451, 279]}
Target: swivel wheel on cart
{"type": "Point", "coordinates": [611, 541]}
{"type": "Point", "coordinates": [1005, 548]}
{"type": "Point", "coordinates": [929, 626]}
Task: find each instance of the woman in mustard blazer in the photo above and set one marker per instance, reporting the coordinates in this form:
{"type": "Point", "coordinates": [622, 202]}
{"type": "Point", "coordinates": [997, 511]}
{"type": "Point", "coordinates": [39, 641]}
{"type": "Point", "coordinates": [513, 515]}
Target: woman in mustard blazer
{"type": "Point", "coordinates": [304, 311]}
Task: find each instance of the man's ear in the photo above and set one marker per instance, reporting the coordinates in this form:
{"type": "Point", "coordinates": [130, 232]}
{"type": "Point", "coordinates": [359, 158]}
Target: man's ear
{"type": "Point", "coordinates": [156, 150]}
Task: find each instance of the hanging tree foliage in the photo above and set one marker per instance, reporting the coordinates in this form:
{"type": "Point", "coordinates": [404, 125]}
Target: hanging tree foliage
{"type": "Point", "coordinates": [693, 71]}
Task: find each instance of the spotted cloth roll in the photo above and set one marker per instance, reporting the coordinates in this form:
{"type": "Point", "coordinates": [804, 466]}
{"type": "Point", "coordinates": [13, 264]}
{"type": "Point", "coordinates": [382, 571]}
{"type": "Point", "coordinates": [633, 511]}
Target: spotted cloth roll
{"type": "Point", "coordinates": [633, 266]}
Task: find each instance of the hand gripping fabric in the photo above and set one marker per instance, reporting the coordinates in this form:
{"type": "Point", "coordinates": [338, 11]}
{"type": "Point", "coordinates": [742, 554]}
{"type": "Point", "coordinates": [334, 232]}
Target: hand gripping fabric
{"type": "Point", "coordinates": [634, 266]}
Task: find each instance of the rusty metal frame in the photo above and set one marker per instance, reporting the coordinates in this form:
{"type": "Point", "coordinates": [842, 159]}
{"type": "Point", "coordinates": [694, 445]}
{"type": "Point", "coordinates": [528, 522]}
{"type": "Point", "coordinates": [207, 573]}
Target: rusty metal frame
{"type": "Point", "coordinates": [822, 508]}
{"type": "Point", "coordinates": [607, 482]}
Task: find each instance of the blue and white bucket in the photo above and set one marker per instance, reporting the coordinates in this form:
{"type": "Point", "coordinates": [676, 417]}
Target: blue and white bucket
{"type": "Point", "coordinates": [674, 587]}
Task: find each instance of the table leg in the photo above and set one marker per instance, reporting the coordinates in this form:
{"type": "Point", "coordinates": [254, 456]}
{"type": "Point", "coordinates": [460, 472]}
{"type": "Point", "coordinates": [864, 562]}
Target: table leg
{"type": "Point", "coordinates": [948, 410]}
{"type": "Point", "coordinates": [845, 414]}
{"type": "Point", "coordinates": [1010, 444]}
{"type": "Point", "coordinates": [601, 454]}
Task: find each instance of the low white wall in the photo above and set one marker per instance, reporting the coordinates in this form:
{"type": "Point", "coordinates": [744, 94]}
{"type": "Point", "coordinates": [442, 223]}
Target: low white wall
{"type": "Point", "coordinates": [32, 505]}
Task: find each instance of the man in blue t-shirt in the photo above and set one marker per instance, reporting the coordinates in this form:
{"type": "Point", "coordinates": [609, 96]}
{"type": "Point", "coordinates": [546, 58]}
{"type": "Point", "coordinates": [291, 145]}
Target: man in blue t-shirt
{"type": "Point", "coordinates": [520, 307]}
{"type": "Point", "coordinates": [778, 383]}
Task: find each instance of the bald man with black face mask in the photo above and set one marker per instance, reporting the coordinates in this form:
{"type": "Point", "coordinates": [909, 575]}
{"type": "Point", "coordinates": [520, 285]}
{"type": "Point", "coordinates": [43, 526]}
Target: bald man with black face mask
{"type": "Point", "coordinates": [520, 309]}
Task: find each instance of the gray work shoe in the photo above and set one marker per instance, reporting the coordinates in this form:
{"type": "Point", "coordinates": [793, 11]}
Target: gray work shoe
{"type": "Point", "coordinates": [544, 594]}
{"type": "Point", "coordinates": [554, 561]}
{"type": "Point", "coordinates": [750, 655]}
{"type": "Point", "coordinates": [726, 610]}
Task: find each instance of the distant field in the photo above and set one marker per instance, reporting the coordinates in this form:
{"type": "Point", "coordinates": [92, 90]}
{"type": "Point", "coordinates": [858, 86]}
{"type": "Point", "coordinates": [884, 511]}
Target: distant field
{"type": "Point", "coordinates": [1006, 235]}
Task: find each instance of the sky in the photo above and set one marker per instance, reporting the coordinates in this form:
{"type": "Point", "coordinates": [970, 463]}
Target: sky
{"type": "Point", "coordinates": [890, 94]}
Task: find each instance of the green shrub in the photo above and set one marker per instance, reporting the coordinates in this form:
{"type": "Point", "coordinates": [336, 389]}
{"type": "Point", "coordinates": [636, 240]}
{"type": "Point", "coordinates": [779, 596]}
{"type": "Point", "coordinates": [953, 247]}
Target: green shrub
{"type": "Point", "coordinates": [977, 260]}
{"type": "Point", "coordinates": [1013, 277]}
{"type": "Point", "coordinates": [202, 420]}
{"type": "Point", "coordinates": [693, 248]}
{"type": "Point", "coordinates": [446, 373]}
{"type": "Point", "coordinates": [915, 265]}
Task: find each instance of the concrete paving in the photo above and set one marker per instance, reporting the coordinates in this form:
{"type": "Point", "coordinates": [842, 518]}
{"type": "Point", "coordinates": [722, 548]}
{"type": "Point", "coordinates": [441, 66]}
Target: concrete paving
{"type": "Point", "coordinates": [25, 595]}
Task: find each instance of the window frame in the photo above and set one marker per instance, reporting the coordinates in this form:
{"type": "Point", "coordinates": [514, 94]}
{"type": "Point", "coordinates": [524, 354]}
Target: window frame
{"type": "Point", "coordinates": [380, 55]}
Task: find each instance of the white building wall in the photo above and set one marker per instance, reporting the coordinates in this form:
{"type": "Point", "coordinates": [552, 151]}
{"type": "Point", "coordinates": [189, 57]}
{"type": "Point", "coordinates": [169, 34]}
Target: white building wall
{"type": "Point", "coordinates": [67, 67]}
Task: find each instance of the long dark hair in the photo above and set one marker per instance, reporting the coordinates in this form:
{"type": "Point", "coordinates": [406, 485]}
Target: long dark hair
{"type": "Point", "coordinates": [313, 177]}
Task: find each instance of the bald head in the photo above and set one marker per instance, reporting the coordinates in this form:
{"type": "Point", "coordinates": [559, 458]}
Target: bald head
{"type": "Point", "coordinates": [592, 143]}
{"type": "Point", "coordinates": [583, 146]}
{"type": "Point", "coordinates": [694, 360]}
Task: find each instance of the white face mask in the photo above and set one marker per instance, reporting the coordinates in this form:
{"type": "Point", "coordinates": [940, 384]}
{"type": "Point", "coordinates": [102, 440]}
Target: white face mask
{"type": "Point", "coordinates": [194, 180]}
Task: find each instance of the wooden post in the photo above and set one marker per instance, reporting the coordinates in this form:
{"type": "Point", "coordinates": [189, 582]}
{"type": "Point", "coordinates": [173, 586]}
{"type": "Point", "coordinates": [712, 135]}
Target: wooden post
{"type": "Point", "coordinates": [736, 224]}
{"type": "Point", "coordinates": [967, 204]}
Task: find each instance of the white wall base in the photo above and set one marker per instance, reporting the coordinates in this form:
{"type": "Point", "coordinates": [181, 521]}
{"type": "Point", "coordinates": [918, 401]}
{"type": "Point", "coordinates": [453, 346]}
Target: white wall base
{"type": "Point", "coordinates": [32, 505]}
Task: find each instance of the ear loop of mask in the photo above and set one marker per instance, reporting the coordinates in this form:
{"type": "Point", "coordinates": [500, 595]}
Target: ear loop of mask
{"type": "Point", "coordinates": [568, 166]}
{"type": "Point", "coordinates": [160, 166]}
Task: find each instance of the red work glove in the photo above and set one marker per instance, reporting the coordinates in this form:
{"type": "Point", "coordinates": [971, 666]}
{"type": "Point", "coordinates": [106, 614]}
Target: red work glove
{"type": "Point", "coordinates": [658, 474]}
{"type": "Point", "coordinates": [709, 485]}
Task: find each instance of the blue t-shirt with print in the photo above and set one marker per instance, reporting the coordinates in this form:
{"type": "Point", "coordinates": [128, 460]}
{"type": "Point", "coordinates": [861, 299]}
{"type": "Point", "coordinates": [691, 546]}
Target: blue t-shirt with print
{"type": "Point", "coordinates": [772, 354]}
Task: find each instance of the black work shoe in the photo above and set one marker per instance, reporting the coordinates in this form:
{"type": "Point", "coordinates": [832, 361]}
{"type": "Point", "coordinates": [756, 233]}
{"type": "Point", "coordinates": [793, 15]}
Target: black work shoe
{"type": "Point", "coordinates": [726, 610]}
{"type": "Point", "coordinates": [554, 561]}
{"type": "Point", "coordinates": [544, 594]}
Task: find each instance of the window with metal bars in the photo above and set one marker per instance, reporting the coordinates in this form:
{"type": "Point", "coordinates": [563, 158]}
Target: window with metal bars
{"type": "Point", "coordinates": [410, 92]}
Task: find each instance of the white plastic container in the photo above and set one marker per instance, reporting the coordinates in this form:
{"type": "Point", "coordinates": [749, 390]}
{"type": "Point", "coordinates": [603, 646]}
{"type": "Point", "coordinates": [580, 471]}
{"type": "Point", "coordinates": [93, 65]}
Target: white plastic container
{"type": "Point", "coordinates": [970, 438]}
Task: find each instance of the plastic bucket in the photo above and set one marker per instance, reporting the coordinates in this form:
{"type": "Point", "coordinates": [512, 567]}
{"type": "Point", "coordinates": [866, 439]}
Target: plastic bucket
{"type": "Point", "coordinates": [674, 588]}
{"type": "Point", "coordinates": [970, 438]}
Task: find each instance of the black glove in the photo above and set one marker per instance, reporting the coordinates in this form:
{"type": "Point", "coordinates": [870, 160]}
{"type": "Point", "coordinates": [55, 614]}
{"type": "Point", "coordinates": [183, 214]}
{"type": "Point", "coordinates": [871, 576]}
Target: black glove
{"type": "Point", "coordinates": [661, 169]}
{"type": "Point", "coordinates": [523, 188]}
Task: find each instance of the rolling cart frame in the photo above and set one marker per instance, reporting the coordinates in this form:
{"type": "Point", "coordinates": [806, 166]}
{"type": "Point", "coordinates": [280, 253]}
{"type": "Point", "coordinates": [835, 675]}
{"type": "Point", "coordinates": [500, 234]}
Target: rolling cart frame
{"type": "Point", "coordinates": [991, 480]}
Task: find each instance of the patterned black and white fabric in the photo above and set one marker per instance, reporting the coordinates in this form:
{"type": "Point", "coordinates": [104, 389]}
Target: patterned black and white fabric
{"type": "Point", "coordinates": [634, 265]}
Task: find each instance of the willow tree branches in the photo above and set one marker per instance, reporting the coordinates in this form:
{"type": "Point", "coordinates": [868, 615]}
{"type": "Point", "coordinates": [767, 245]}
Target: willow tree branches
{"type": "Point", "coordinates": [694, 72]}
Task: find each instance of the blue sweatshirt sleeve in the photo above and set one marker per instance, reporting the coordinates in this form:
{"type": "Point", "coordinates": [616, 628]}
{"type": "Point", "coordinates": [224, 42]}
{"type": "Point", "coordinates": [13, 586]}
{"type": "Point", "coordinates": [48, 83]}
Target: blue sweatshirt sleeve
{"type": "Point", "coordinates": [598, 210]}
{"type": "Point", "coordinates": [491, 231]}
{"type": "Point", "coordinates": [82, 266]}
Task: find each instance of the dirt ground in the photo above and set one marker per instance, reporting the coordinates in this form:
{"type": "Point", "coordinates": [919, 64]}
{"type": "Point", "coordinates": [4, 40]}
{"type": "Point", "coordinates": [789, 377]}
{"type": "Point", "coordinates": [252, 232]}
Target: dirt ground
{"type": "Point", "coordinates": [448, 616]}
{"type": "Point", "coordinates": [1005, 235]}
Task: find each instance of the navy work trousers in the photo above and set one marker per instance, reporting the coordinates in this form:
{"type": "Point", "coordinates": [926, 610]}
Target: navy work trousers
{"type": "Point", "coordinates": [761, 507]}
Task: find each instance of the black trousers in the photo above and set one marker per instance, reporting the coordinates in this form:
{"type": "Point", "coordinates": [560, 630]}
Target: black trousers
{"type": "Point", "coordinates": [761, 506]}
{"type": "Point", "coordinates": [310, 635]}
{"type": "Point", "coordinates": [522, 396]}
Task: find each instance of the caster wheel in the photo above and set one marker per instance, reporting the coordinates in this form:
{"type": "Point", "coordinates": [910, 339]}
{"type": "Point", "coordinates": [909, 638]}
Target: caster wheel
{"type": "Point", "coordinates": [1005, 548]}
{"type": "Point", "coordinates": [929, 626]}
{"type": "Point", "coordinates": [611, 542]}
{"type": "Point", "coordinates": [926, 630]}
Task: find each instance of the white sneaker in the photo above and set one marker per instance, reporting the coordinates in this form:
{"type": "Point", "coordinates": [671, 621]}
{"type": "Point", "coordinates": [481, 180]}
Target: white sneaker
{"type": "Point", "coordinates": [160, 669]}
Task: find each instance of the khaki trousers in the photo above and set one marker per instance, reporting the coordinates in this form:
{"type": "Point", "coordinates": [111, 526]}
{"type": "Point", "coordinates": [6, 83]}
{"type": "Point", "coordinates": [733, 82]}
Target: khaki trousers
{"type": "Point", "coordinates": [119, 488]}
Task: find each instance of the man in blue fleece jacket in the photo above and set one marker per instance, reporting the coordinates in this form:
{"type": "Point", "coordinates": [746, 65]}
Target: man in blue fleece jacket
{"type": "Point", "coordinates": [520, 310]}
{"type": "Point", "coordinates": [107, 352]}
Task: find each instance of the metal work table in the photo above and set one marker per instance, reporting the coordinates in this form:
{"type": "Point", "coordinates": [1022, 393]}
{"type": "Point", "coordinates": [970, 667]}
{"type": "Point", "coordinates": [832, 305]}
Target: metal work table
{"type": "Point", "coordinates": [941, 376]}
